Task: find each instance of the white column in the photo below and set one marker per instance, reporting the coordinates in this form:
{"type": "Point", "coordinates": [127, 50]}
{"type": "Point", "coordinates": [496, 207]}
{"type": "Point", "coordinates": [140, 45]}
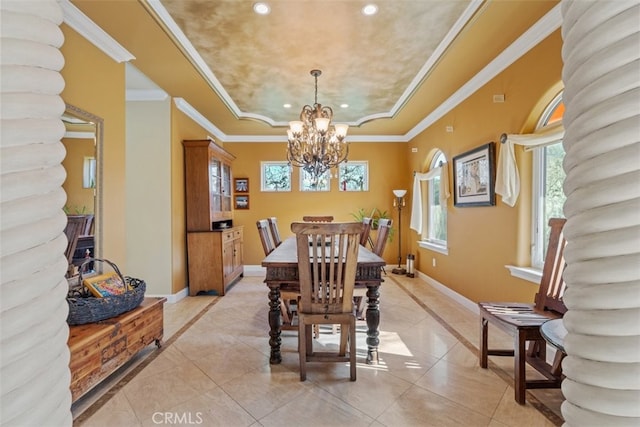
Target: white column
{"type": "Point", "coordinates": [601, 73]}
{"type": "Point", "coordinates": [34, 357]}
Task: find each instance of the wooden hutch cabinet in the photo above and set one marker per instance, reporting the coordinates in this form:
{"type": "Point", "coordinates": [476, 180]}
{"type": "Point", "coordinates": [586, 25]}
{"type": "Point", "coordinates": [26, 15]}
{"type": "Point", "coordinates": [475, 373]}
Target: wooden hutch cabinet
{"type": "Point", "coordinates": [214, 245]}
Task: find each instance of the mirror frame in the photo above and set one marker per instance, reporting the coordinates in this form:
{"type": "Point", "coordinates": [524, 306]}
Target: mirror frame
{"type": "Point", "coordinates": [99, 138]}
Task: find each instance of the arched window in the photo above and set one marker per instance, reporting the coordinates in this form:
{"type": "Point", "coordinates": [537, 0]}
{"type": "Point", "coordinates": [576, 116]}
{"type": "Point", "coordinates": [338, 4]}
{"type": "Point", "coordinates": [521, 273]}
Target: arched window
{"type": "Point", "coordinates": [429, 212]}
{"type": "Point", "coordinates": [436, 212]}
{"type": "Point", "coordinates": [548, 177]}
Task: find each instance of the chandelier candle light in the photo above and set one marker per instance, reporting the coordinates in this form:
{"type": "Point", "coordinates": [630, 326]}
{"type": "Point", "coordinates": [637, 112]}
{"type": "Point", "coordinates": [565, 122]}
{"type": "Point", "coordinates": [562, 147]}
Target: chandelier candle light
{"type": "Point", "coordinates": [398, 202]}
{"type": "Point", "coordinates": [313, 144]}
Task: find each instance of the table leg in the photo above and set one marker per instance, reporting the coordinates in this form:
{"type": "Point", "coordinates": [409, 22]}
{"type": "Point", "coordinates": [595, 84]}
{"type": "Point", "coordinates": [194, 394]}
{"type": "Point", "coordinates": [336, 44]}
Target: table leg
{"type": "Point", "coordinates": [274, 323]}
{"type": "Point", "coordinates": [373, 321]}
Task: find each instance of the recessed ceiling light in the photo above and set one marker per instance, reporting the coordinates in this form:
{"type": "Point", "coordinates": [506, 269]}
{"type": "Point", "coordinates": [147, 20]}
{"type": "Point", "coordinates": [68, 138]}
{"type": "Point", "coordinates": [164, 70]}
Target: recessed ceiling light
{"type": "Point", "coordinates": [261, 8]}
{"type": "Point", "coordinates": [344, 105]}
{"type": "Point", "coordinates": [287, 105]}
{"type": "Point", "coordinates": [370, 9]}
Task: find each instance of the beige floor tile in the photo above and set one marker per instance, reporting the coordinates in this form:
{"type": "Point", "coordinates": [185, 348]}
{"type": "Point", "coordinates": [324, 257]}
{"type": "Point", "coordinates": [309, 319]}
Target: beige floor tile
{"type": "Point", "coordinates": [211, 408]}
{"type": "Point", "coordinates": [420, 407]}
{"type": "Point", "coordinates": [316, 407]}
{"type": "Point", "coordinates": [510, 413]}
{"type": "Point", "coordinates": [160, 392]}
{"type": "Point", "coordinates": [232, 361]}
{"type": "Point", "coordinates": [116, 412]}
{"type": "Point", "coordinates": [473, 387]}
{"type": "Point", "coordinates": [423, 339]}
{"type": "Point", "coordinates": [372, 392]}
{"type": "Point", "coordinates": [263, 391]}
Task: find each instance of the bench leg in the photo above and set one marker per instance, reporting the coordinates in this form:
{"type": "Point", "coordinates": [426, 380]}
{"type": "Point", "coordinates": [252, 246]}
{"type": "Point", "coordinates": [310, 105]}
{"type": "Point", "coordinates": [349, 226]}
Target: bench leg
{"type": "Point", "coordinates": [483, 352]}
{"type": "Point", "coordinates": [519, 359]}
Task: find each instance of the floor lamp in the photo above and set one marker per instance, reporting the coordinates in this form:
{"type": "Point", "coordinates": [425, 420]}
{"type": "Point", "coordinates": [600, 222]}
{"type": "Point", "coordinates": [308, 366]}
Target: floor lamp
{"type": "Point", "coordinates": [398, 202]}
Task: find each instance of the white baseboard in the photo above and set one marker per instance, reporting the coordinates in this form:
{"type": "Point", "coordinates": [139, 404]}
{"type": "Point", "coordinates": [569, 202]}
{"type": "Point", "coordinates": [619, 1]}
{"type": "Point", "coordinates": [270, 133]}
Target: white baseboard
{"type": "Point", "coordinates": [172, 298]}
{"type": "Point", "coordinates": [467, 303]}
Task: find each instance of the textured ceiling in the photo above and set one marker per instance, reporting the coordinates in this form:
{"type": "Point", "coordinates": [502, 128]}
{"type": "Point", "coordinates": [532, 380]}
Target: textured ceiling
{"type": "Point", "coordinates": [237, 69]}
{"type": "Point", "coordinates": [263, 62]}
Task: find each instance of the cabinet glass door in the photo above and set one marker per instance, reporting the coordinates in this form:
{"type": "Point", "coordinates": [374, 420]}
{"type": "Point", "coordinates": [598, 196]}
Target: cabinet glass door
{"type": "Point", "coordinates": [216, 181]}
{"type": "Point", "coordinates": [226, 188]}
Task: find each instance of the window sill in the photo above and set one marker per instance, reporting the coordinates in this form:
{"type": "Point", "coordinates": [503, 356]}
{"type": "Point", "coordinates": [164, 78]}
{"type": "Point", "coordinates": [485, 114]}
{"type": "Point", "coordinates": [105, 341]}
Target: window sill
{"type": "Point", "coordinates": [433, 247]}
{"type": "Point", "coordinates": [531, 274]}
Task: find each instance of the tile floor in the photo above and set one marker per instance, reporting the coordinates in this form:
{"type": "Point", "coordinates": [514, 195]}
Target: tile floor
{"type": "Point", "coordinates": [214, 370]}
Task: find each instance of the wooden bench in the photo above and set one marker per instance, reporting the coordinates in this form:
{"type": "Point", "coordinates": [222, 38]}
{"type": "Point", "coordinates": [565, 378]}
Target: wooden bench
{"type": "Point", "coordinates": [99, 349]}
{"type": "Point", "coordinates": [523, 321]}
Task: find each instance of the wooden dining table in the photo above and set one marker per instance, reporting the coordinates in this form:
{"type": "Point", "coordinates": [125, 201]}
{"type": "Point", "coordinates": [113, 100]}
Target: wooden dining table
{"type": "Point", "coordinates": [282, 275]}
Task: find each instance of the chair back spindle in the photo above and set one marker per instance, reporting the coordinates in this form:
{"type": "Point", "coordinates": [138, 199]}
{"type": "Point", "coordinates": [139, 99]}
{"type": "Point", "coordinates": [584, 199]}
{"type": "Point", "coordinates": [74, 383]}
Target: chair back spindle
{"type": "Point", "coordinates": [275, 232]}
{"type": "Point", "coordinates": [384, 228]}
{"type": "Point", "coordinates": [366, 230]}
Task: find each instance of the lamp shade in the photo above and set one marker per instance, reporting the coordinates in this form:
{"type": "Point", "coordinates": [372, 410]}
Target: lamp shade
{"type": "Point", "coordinates": [399, 193]}
{"type": "Point", "coordinates": [295, 127]}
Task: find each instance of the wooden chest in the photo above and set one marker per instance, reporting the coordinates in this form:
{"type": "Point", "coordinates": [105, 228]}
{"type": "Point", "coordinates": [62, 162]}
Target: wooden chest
{"type": "Point", "coordinates": [98, 349]}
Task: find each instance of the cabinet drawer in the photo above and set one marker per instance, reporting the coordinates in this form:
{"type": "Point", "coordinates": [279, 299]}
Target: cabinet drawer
{"type": "Point", "coordinates": [231, 235]}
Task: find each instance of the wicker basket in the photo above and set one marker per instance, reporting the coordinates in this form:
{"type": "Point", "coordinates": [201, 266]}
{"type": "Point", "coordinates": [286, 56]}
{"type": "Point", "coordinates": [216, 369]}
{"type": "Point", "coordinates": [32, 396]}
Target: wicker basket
{"type": "Point", "coordinates": [85, 308]}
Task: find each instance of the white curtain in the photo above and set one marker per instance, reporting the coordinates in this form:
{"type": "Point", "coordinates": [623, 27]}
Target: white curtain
{"type": "Point", "coordinates": [507, 177]}
{"type": "Point", "coordinates": [416, 206]}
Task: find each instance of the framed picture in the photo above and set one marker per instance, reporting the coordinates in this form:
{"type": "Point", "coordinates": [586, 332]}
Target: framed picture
{"type": "Point", "coordinates": [353, 176]}
{"type": "Point", "coordinates": [241, 202]}
{"type": "Point", "coordinates": [241, 185]}
{"type": "Point", "coordinates": [307, 183]}
{"type": "Point", "coordinates": [275, 176]}
{"type": "Point", "coordinates": [474, 177]}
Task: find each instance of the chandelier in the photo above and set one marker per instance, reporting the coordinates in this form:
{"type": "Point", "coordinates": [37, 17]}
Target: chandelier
{"type": "Point", "coordinates": [314, 145]}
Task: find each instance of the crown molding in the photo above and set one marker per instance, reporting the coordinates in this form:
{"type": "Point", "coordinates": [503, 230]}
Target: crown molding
{"type": "Point", "coordinates": [195, 115]}
{"type": "Point", "coordinates": [88, 29]}
{"type": "Point", "coordinates": [529, 39]}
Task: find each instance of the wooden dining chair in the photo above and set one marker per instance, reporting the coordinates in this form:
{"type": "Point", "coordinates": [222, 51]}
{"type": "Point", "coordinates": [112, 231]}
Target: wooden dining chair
{"type": "Point", "coordinates": [384, 228]}
{"type": "Point", "coordinates": [275, 232]}
{"type": "Point", "coordinates": [73, 230]}
{"type": "Point", "coordinates": [321, 218]}
{"type": "Point", "coordinates": [265, 238]}
{"type": "Point", "coordinates": [366, 231]}
{"type": "Point", "coordinates": [327, 262]}
{"type": "Point", "coordinates": [523, 321]}
{"type": "Point", "coordinates": [285, 297]}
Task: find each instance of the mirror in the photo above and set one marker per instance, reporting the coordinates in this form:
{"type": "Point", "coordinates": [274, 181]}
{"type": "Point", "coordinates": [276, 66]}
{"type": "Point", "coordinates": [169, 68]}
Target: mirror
{"type": "Point", "coordinates": [83, 164]}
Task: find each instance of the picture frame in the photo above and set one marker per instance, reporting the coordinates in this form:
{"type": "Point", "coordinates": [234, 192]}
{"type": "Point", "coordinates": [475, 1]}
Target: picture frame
{"type": "Point", "coordinates": [474, 175]}
{"type": "Point", "coordinates": [241, 185]}
{"type": "Point", "coordinates": [241, 202]}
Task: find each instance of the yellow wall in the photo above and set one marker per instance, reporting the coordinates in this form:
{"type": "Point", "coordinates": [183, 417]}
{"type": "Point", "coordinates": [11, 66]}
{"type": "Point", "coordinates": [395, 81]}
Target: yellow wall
{"type": "Point", "coordinates": [95, 83]}
{"type": "Point", "coordinates": [482, 240]}
{"type": "Point", "coordinates": [388, 170]}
